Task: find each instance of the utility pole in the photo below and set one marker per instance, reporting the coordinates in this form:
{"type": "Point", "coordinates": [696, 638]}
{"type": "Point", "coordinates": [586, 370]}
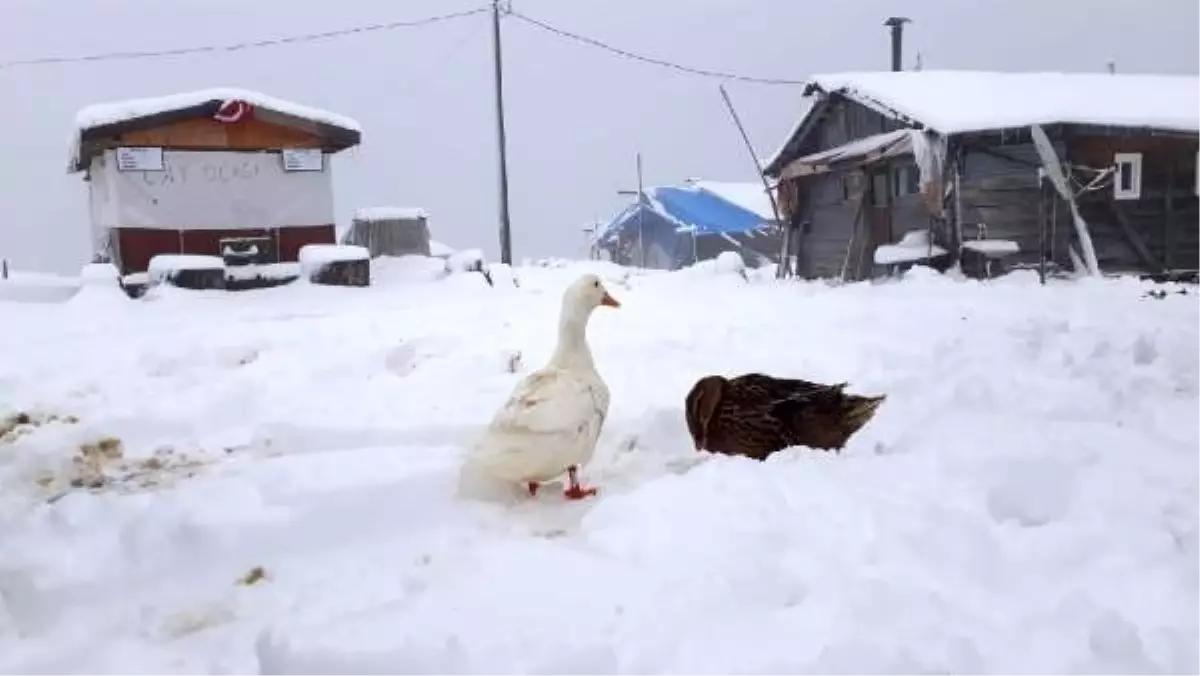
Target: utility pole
{"type": "Point", "coordinates": [505, 224]}
{"type": "Point", "coordinates": [640, 213]}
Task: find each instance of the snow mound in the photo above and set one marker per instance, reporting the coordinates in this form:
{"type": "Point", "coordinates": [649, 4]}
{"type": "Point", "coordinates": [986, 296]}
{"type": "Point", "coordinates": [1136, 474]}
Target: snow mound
{"type": "Point", "coordinates": [313, 257]}
{"type": "Point", "coordinates": [271, 481]}
{"type": "Point", "coordinates": [99, 286]}
{"type": "Point", "coordinates": [439, 250]}
{"type": "Point", "coordinates": [466, 260]}
{"type": "Point", "coordinates": [730, 263]}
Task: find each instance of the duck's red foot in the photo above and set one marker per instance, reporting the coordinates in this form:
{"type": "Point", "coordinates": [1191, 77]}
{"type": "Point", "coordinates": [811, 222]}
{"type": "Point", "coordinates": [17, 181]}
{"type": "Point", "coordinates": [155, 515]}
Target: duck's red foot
{"type": "Point", "coordinates": [533, 488]}
{"type": "Point", "coordinates": [574, 490]}
{"type": "Point", "coordinates": [579, 493]}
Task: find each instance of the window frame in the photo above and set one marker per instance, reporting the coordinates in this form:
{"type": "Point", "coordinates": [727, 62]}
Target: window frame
{"type": "Point", "coordinates": [1134, 162]}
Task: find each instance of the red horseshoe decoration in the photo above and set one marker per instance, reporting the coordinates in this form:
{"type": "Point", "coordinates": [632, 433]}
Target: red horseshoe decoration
{"type": "Point", "coordinates": [232, 111]}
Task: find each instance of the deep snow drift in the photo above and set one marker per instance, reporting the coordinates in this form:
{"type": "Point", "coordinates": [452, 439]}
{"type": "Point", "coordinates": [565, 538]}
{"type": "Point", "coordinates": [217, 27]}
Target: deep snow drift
{"type": "Point", "coordinates": [264, 481]}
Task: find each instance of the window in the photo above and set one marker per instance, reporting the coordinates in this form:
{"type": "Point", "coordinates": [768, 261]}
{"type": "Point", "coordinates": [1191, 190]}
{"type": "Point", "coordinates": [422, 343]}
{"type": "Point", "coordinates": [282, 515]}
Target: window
{"type": "Point", "coordinates": [879, 188]}
{"type": "Point", "coordinates": [905, 180]}
{"type": "Point", "coordinates": [1127, 182]}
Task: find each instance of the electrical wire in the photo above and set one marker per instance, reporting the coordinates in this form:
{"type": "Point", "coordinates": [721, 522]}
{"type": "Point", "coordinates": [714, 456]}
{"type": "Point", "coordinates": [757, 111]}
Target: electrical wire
{"type": "Point", "coordinates": [649, 59]}
{"type": "Point", "coordinates": [392, 25]}
{"type": "Point", "coordinates": [254, 44]}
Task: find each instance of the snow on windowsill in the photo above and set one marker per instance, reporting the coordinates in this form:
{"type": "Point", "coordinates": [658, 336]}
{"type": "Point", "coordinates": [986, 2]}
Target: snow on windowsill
{"type": "Point", "coordinates": [913, 246]}
{"type": "Point", "coordinates": [994, 248]}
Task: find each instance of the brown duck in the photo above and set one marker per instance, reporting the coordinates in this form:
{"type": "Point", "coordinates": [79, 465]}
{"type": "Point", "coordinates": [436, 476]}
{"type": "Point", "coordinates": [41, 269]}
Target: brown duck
{"type": "Point", "coordinates": [756, 415]}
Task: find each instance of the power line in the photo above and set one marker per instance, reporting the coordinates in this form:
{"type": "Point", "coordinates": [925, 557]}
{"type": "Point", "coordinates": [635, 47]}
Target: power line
{"type": "Point", "coordinates": [270, 42]}
{"type": "Point", "coordinates": [392, 25]}
{"type": "Point", "coordinates": [649, 59]}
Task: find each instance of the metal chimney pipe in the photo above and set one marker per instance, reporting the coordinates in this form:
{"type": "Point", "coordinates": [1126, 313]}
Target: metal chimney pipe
{"type": "Point", "coordinates": [896, 23]}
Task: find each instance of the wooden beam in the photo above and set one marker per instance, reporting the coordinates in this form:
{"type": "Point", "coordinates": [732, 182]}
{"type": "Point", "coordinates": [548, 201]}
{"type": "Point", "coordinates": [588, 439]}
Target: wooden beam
{"type": "Point", "coordinates": [1169, 216]}
{"type": "Point", "coordinates": [1041, 219]}
{"type": "Point", "coordinates": [1131, 236]}
{"type": "Point", "coordinates": [854, 228]}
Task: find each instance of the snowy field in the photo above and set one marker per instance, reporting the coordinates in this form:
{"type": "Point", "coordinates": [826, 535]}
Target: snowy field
{"type": "Point", "coordinates": [264, 482]}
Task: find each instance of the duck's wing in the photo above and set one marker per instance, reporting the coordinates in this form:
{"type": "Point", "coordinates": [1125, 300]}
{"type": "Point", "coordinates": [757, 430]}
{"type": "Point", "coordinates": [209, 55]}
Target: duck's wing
{"type": "Point", "coordinates": [549, 401]}
{"type": "Point", "coordinates": [798, 402]}
{"type": "Point", "coordinates": [770, 388]}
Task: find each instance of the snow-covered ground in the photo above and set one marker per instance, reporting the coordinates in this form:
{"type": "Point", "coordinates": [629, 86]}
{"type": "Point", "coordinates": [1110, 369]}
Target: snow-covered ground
{"type": "Point", "coordinates": [267, 481]}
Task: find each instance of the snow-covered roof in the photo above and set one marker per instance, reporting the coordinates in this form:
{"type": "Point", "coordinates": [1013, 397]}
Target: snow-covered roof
{"type": "Point", "coordinates": [697, 207]}
{"type": "Point", "coordinates": [954, 102]}
{"type": "Point", "coordinates": [116, 112]}
{"type": "Point", "coordinates": [749, 196]}
{"type": "Point", "coordinates": [390, 213]}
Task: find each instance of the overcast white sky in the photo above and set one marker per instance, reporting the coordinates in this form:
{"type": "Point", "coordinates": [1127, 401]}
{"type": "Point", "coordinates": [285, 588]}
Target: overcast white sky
{"type": "Point", "coordinates": [575, 115]}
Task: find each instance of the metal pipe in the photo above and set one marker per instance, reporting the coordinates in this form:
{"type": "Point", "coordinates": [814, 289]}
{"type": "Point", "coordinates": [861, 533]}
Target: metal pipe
{"type": "Point", "coordinates": [896, 23]}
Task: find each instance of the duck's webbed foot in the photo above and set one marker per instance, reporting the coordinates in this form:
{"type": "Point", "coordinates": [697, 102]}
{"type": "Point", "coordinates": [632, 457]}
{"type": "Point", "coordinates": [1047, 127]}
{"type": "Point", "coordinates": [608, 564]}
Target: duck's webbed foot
{"type": "Point", "coordinates": [574, 491]}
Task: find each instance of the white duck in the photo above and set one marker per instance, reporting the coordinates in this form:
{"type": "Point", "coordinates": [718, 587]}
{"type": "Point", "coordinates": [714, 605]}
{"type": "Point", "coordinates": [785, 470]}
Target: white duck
{"type": "Point", "coordinates": [553, 418]}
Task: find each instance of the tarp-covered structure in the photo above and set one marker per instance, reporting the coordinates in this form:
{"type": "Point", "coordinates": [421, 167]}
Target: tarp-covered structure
{"type": "Point", "coordinates": [671, 227]}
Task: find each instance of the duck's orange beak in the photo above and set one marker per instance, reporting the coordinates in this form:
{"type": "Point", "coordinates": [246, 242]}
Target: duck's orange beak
{"type": "Point", "coordinates": [609, 301]}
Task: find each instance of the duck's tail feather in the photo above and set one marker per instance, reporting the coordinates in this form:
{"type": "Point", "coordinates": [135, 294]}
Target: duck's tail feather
{"type": "Point", "coordinates": [859, 410]}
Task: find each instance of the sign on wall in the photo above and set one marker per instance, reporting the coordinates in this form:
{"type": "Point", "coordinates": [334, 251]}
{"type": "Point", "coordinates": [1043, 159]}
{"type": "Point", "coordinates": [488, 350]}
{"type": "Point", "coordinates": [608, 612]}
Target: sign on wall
{"type": "Point", "coordinates": [139, 159]}
{"type": "Point", "coordinates": [212, 190]}
{"type": "Point", "coordinates": [303, 159]}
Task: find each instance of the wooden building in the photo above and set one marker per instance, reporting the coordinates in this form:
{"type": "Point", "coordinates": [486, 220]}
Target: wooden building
{"type": "Point", "coordinates": [220, 172]}
{"type": "Point", "coordinates": [951, 156]}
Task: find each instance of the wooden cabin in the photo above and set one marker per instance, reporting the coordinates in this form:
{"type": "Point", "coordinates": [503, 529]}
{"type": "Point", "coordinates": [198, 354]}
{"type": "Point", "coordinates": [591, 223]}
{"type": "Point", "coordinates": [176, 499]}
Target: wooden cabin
{"type": "Point", "coordinates": [950, 157]}
{"type": "Point", "coordinates": [219, 172]}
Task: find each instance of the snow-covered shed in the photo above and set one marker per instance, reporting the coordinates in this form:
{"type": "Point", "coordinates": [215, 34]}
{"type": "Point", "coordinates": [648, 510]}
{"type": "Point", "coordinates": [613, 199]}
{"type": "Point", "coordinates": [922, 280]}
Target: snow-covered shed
{"type": "Point", "coordinates": [676, 226]}
{"type": "Point", "coordinates": [218, 172]}
{"type": "Point", "coordinates": [876, 155]}
{"type": "Point", "coordinates": [390, 231]}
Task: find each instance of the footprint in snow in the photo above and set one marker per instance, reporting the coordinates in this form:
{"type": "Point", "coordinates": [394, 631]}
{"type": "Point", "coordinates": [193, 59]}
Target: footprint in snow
{"type": "Point", "coordinates": [402, 359]}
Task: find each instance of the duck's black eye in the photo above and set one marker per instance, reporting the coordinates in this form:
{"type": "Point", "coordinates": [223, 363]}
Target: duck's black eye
{"type": "Point", "coordinates": [596, 284]}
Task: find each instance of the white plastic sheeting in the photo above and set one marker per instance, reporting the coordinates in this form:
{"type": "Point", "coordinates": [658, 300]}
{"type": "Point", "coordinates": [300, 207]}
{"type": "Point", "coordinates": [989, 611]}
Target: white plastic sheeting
{"type": "Point", "coordinates": [208, 190]}
{"type": "Point", "coordinates": [928, 151]}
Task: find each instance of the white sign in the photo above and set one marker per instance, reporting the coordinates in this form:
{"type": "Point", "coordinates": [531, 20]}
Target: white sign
{"type": "Point", "coordinates": [303, 159]}
{"type": "Point", "coordinates": [212, 190]}
{"type": "Point", "coordinates": [139, 159]}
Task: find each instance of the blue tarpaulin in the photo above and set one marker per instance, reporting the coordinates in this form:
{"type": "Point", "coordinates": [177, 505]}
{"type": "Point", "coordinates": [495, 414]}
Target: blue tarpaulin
{"type": "Point", "coordinates": [668, 220]}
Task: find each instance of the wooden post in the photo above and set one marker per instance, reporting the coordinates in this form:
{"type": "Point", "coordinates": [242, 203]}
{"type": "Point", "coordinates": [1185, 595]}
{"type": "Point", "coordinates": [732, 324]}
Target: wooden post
{"type": "Point", "coordinates": [958, 219]}
{"type": "Point", "coordinates": [1041, 174]}
{"type": "Point", "coordinates": [3, 268]}
{"type": "Point", "coordinates": [784, 267]}
{"type": "Point", "coordinates": [1169, 217]}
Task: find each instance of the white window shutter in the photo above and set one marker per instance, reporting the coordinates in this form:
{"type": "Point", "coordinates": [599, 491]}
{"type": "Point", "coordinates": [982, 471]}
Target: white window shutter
{"type": "Point", "coordinates": [1127, 181]}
